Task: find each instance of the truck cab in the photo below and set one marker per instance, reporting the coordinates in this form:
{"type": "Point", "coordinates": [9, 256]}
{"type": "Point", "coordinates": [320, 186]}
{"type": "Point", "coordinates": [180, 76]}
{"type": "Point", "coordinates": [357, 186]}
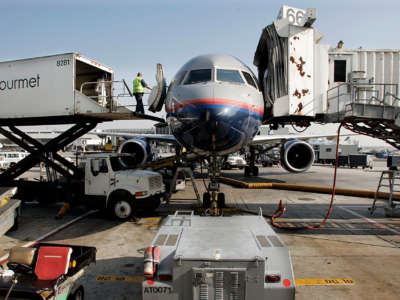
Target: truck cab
{"type": "Point", "coordinates": [112, 183]}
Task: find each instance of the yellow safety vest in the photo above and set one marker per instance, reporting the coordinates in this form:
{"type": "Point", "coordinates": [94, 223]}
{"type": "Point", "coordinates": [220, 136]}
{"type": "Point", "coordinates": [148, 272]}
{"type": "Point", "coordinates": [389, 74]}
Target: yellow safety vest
{"type": "Point", "coordinates": [137, 85]}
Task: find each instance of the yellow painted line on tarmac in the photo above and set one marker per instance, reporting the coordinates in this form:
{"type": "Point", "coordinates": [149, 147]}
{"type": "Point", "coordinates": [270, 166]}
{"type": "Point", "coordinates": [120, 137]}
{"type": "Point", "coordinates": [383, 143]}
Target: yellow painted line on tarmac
{"type": "Point", "coordinates": [153, 221]}
{"type": "Point", "coordinates": [324, 281]}
{"type": "Point", "coordinates": [111, 278]}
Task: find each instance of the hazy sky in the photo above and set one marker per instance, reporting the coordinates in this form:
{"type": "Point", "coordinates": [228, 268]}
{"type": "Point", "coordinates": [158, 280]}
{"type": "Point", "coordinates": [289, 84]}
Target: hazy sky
{"type": "Point", "coordinates": [132, 36]}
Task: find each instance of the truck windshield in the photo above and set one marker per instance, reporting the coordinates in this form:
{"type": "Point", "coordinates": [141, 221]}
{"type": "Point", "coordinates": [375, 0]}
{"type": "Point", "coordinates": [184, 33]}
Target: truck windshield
{"type": "Point", "coordinates": [119, 163]}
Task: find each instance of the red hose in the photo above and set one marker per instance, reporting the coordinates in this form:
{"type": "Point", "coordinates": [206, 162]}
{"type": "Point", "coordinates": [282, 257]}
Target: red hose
{"type": "Point", "coordinates": [282, 209]}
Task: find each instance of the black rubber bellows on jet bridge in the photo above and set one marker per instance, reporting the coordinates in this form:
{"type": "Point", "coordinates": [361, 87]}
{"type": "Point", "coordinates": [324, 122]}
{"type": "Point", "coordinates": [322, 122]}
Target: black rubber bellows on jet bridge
{"type": "Point", "coordinates": [271, 61]}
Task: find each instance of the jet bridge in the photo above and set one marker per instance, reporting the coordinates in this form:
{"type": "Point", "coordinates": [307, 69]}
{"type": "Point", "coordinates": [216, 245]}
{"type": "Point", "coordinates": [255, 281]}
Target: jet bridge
{"type": "Point", "coordinates": [59, 89]}
{"type": "Point", "coordinates": [304, 81]}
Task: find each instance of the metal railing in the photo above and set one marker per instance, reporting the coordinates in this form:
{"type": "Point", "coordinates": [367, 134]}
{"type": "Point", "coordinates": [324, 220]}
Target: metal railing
{"type": "Point", "coordinates": [380, 94]}
{"type": "Point", "coordinates": [109, 94]}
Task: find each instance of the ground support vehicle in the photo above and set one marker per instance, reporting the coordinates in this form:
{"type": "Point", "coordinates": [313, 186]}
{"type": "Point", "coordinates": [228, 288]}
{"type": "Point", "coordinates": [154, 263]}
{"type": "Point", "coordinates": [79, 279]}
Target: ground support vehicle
{"type": "Point", "coordinates": [360, 160]}
{"type": "Point", "coordinates": [107, 181]}
{"type": "Point", "coordinates": [204, 257]}
{"type": "Point", "coordinates": [122, 189]}
{"type": "Point", "coordinates": [9, 211]}
{"type": "Point", "coordinates": [234, 161]}
{"type": "Point", "coordinates": [9, 159]}
{"type": "Point", "coordinates": [46, 271]}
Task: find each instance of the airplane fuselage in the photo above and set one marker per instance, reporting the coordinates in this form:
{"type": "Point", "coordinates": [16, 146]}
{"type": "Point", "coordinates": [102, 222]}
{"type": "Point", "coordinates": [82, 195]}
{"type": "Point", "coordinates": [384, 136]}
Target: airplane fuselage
{"type": "Point", "coordinates": [214, 106]}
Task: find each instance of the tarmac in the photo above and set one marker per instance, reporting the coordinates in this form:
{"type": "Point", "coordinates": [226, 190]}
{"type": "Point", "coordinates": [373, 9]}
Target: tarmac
{"type": "Point", "coordinates": [353, 256]}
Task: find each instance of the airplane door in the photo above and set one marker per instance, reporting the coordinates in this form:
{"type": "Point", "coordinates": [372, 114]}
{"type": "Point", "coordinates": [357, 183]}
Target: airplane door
{"type": "Point", "coordinates": [97, 181]}
{"type": "Point", "coordinates": [159, 92]}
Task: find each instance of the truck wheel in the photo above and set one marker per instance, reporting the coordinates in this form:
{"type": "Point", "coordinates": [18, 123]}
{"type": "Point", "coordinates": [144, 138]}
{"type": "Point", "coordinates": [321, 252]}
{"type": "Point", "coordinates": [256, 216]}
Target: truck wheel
{"type": "Point", "coordinates": [121, 206]}
{"type": "Point", "coordinates": [78, 295]}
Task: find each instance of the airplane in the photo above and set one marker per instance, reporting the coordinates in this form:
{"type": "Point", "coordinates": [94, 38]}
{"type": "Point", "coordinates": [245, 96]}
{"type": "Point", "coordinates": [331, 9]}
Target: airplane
{"type": "Point", "coordinates": [215, 107]}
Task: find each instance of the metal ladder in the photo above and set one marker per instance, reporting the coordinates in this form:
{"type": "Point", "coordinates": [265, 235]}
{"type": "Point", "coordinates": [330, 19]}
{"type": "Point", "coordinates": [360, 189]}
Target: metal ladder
{"type": "Point", "coordinates": [391, 177]}
{"type": "Point", "coordinates": [188, 173]}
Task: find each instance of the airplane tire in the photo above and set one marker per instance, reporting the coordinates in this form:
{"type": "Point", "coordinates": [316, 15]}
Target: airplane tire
{"type": "Point", "coordinates": [206, 200]}
{"type": "Point", "coordinates": [221, 200]}
{"type": "Point", "coordinates": [246, 171]}
{"type": "Point", "coordinates": [255, 171]}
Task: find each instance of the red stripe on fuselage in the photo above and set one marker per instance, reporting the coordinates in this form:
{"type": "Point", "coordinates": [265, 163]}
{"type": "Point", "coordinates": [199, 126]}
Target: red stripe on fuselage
{"type": "Point", "coordinates": [216, 101]}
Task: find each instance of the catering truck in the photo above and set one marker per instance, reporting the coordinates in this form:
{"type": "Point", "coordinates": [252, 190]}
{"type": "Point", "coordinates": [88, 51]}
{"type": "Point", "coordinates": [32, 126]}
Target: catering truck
{"type": "Point", "coordinates": [211, 258]}
{"type": "Point", "coordinates": [107, 181]}
{"type": "Point", "coordinates": [110, 183]}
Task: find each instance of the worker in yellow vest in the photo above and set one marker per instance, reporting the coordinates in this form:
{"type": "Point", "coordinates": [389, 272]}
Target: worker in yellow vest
{"type": "Point", "coordinates": [138, 90]}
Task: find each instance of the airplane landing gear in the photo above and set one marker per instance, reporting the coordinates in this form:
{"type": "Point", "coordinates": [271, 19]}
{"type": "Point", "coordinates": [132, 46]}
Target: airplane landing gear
{"type": "Point", "coordinates": [218, 203]}
{"type": "Point", "coordinates": [252, 169]}
{"type": "Point", "coordinates": [213, 200]}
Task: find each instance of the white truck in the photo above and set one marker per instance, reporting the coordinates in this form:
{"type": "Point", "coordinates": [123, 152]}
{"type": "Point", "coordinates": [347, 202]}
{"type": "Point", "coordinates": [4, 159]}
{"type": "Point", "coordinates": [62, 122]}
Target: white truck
{"type": "Point", "coordinates": [110, 183]}
{"type": "Point", "coordinates": [106, 181]}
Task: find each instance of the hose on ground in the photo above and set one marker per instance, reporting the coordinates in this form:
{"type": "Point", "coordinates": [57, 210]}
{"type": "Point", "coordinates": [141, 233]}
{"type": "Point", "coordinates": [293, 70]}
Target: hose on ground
{"type": "Point", "coordinates": [281, 209]}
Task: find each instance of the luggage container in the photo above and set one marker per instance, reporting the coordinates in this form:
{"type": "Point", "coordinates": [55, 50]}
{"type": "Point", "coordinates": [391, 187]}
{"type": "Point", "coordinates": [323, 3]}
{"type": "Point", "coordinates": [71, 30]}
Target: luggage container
{"type": "Point", "coordinates": [217, 258]}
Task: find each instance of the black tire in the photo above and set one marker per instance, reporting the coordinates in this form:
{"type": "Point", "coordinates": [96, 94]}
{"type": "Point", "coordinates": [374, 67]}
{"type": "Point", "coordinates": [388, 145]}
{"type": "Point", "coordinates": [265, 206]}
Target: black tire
{"type": "Point", "coordinates": [246, 171]}
{"type": "Point", "coordinates": [121, 206]}
{"type": "Point", "coordinates": [78, 295]}
{"type": "Point", "coordinates": [206, 200]}
{"type": "Point", "coordinates": [221, 200]}
{"type": "Point", "coordinates": [255, 171]}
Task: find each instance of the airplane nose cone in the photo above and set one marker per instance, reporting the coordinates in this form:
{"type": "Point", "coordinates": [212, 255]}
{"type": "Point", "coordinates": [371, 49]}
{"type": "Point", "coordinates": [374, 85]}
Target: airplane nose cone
{"type": "Point", "coordinates": [213, 126]}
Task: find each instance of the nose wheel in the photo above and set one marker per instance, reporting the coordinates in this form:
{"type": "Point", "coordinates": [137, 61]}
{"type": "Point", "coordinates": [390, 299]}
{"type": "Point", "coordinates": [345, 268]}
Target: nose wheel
{"type": "Point", "coordinates": [250, 171]}
{"type": "Point", "coordinates": [213, 201]}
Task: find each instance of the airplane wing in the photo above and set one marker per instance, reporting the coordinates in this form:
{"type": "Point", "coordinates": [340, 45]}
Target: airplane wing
{"type": "Point", "coordinates": [280, 138]}
{"type": "Point", "coordinates": [166, 138]}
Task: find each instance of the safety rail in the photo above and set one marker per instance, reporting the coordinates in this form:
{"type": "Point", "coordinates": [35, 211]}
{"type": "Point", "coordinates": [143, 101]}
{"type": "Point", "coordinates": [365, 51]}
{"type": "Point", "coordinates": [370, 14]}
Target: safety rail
{"type": "Point", "coordinates": [367, 108]}
{"type": "Point", "coordinates": [379, 97]}
{"type": "Point", "coordinates": [110, 94]}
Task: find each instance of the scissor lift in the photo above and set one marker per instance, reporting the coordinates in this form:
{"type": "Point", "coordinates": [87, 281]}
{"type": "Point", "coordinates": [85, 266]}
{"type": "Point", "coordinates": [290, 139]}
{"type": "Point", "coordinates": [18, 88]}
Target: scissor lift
{"type": "Point", "coordinates": [64, 89]}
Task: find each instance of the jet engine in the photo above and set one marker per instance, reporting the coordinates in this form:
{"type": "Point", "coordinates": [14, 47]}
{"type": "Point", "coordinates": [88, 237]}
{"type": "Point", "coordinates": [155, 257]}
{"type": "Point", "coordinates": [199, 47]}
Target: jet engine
{"type": "Point", "coordinates": [297, 156]}
{"type": "Point", "coordinates": [138, 148]}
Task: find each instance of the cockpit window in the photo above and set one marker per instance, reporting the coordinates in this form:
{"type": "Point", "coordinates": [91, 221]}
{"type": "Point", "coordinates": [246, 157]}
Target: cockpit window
{"type": "Point", "coordinates": [229, 76]}
{"type": "Point", "coordinates": [196, 76]}
{"type": "Point", "coordinates": [179, 77]}
{"type": "Point", "coordinates": [249, 79]}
